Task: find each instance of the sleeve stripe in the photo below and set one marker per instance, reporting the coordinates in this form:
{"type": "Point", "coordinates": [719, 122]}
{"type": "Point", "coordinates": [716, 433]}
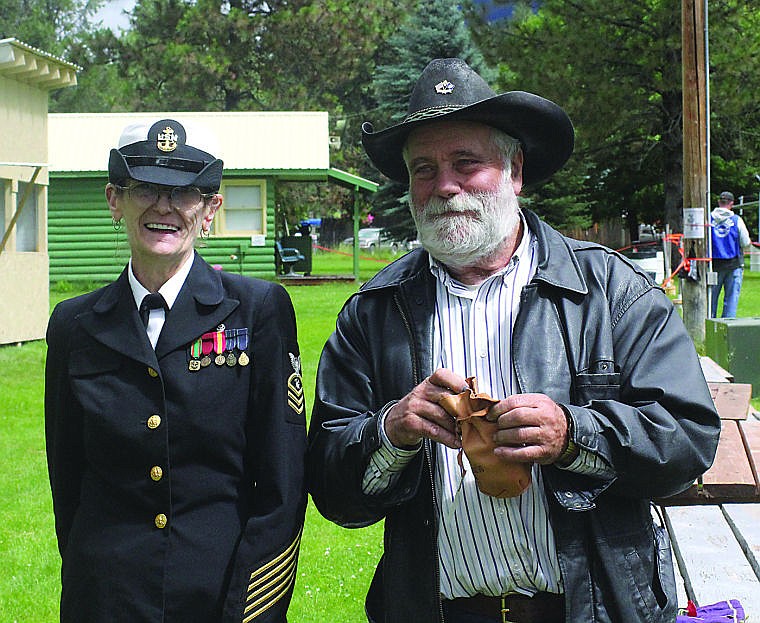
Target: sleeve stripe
{"type": "Point", "coordinates": [275, 576]}
{"type": "Point", "coordinates": [270, 582]}
{"type": "Point", "coordinates": [271, 593]}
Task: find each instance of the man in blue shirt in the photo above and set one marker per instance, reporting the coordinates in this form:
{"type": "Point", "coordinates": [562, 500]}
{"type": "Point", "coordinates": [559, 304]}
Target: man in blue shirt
{"type": "Point", "coordinates": [729, 237]}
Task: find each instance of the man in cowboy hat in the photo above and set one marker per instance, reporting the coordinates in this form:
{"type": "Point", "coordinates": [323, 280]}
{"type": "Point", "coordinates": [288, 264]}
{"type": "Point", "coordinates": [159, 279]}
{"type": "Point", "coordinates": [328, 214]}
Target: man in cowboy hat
{"type": "Point", "coordinates": [587, 378]}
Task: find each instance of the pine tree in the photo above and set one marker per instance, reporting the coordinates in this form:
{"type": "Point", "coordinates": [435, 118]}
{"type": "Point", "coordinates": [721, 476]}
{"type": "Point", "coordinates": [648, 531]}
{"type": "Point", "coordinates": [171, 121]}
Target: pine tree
{"type": "Point", "coordinates": [436, 30]}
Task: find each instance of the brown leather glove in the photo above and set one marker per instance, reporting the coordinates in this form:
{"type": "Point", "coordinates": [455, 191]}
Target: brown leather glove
{"type": "Point", "coordinates": [494, 476]}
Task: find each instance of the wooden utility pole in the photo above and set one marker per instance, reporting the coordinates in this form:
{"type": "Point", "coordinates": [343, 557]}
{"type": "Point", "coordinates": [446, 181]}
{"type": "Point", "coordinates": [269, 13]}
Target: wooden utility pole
{"type": "Point", "coordinates": [695, 192]}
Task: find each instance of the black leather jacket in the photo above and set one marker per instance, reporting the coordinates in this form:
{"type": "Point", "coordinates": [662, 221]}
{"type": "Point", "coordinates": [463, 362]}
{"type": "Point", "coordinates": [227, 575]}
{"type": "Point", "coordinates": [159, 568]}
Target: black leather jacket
{"type": "Point", "coordinates": [596, 336]}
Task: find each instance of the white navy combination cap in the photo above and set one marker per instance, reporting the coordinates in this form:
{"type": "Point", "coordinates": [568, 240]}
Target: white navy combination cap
{"type": "Point", "coordinates": [167, 152]}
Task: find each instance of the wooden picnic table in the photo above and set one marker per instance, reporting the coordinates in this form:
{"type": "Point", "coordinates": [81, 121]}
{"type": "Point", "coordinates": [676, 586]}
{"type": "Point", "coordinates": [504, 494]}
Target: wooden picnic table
{"type": "Point", "coordinates": [716, 549]}
{"type": "Point", "coordinates": [714, 526]}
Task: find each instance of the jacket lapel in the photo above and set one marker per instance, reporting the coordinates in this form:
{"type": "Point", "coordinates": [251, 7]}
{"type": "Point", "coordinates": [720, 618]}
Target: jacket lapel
{"type": "Point", "coordinates": [114, 322]}
{"type": "Point", "coordinates": [200, 307]}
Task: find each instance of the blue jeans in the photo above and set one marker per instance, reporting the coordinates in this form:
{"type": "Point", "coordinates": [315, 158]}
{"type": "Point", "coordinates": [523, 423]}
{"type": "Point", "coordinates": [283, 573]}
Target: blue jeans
{"type": "Point", "coordinates": [731, 282]}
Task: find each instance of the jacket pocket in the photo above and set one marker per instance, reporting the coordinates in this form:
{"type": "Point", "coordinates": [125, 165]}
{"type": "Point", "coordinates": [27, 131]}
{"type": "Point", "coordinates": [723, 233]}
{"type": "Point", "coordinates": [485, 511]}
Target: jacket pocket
{"type": "Point", "coordinates": [92, 360]}
{"type": "Point", "coordinates": [596, 386]}
{"type": "Point", "coordinates": [666, 595]}
{"type": "Point", "coordinates": [654, 596]}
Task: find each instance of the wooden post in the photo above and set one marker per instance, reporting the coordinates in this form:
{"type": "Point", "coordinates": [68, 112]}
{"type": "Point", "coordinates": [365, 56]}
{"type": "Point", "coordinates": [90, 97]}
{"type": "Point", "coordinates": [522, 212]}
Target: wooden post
{"type": "Point", "coordinates": [695, 193]}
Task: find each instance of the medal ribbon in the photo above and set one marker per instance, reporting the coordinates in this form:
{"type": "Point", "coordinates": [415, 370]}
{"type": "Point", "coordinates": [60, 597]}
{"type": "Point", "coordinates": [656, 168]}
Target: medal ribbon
{"type": "Point", "coordinates": [231, 335]}
{"type": "Point", "coordinates": [220, 342]}
{"type": "Point", "coordinates": [196, 349]}
{"type": "Point", "coordinates": [242, 339]}
{"type": "Point", "coordinates": [207, 340]}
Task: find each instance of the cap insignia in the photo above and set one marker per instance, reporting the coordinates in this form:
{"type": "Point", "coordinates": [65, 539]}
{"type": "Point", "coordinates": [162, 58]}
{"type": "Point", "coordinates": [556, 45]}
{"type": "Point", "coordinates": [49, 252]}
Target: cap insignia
{"type": "Point", "coordinates": [167, 140]}
{"type": "Point", "coordinates": [444, 88]}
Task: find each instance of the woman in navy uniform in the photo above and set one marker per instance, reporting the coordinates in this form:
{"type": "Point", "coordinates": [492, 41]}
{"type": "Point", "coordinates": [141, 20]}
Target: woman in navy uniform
{"type": "Point", "coordinates": [175, 437]}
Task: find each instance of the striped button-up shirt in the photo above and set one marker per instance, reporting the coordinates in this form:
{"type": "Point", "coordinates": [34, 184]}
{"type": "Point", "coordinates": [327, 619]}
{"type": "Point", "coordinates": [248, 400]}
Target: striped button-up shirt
{"type": "Point", "coordinates": [486, 545]}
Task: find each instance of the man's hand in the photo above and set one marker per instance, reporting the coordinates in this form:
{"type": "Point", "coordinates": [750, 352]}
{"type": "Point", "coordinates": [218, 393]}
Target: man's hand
{"type": "Point", "coordinates": [532, 428]}
{"type": "Point", "coordinates": [418, 414]}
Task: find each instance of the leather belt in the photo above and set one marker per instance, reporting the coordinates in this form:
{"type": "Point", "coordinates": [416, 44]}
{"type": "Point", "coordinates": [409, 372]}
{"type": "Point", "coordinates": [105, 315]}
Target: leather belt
{"type": "Point", "coordinates": [514, 608]}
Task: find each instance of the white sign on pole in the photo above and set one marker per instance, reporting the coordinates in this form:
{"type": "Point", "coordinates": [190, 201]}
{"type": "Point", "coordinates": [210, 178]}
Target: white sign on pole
{"type": "Point", "coordinates": [693, 223]}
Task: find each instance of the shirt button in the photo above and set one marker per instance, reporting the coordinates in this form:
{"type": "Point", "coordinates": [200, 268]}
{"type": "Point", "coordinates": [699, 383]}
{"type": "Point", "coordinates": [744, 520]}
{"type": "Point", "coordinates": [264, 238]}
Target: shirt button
{"type": "Point", "coordinates": [154, 421]}
{"type": "Point", "coordinates": [483, 354]}
{"type": "Point", "coordinates": [152, 373]}
{"type": "Point", "coordinates": [160, 521]}
{"type": "Point", "coordinates": [156, 473]}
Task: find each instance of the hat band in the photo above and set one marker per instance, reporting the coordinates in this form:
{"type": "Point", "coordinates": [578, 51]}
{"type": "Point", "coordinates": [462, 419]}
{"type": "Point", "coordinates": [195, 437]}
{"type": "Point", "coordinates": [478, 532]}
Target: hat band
{"type": "Point", "coordinates": [429, 113]}
{"type": "Point", "coordinates": [181, 164]}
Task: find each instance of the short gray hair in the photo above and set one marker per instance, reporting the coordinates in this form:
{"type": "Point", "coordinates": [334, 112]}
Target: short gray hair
{"type": "Point", "coordinates": [508, 146]}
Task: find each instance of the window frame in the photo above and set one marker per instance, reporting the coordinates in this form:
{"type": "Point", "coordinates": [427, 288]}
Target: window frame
{"type": "Point", "coordinates": [32, 203]}
{"type": "Point", "coordinates": [220, 221]}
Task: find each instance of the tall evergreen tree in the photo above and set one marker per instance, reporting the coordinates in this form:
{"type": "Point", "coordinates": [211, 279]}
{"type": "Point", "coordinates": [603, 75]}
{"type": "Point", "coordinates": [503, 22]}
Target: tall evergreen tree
{"type": "Point", "coordinates": [436, 29]}
{"type": "Point", "coordinates": [50, 25]}
{"type": "Point", "coordinates": [615, 65]}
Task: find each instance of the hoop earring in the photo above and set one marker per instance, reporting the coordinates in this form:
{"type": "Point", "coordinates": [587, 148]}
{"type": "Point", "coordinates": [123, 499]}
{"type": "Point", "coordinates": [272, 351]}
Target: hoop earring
{"type": "Point", "coordinates": [117, 225]}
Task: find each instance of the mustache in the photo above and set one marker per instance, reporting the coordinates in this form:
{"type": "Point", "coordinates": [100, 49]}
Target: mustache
{"type": "Point", "coordinates": [466, 202]}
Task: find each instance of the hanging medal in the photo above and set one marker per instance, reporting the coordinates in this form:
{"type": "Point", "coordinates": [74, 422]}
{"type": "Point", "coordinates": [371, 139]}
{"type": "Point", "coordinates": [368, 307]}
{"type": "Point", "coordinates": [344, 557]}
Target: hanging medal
{"type": "Point", "coordinates": [195, 356]}
{"type": "Point", "coordinates": [231, 335]}
{"type": "Point", "coordinates": [207, 346]}
{"type": "Point", "coordinates": [242, 344]}
{"type": "Point", "coordinates": [220, 345]}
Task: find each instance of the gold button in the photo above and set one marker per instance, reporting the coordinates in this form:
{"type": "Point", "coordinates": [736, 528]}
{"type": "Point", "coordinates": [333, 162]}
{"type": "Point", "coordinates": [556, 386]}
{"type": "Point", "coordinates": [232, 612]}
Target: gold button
{"type": "Point", "coordinates": [160, 521]}
{"type": "Point", "coordinates": [152, 373]}
{"type": "Point", "coordinates": [156, 473]}
{"type": "Point", "coordinates": [154, 421]}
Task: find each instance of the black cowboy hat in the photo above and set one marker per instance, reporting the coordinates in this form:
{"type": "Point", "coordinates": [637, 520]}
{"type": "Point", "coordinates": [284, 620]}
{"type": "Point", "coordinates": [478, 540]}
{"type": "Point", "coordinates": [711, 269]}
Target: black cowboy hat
{"type": "Point", "coordinates": [163, 153]}
{"type": "Point", "coordinates": [448, 89]}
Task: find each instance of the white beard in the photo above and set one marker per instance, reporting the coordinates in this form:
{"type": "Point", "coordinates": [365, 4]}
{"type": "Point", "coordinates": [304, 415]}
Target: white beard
{"type": "Point", "coordinates": [483, 222]}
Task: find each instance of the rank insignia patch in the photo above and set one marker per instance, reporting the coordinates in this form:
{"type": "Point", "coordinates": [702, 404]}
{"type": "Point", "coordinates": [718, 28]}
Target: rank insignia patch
{"type": "Point", "coordinates": [295, 385]}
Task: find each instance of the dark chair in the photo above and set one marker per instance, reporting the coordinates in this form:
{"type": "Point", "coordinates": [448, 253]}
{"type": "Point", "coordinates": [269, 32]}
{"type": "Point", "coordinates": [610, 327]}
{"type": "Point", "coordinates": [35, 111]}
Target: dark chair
{"type": "Point", "coordinates": [288, 257]}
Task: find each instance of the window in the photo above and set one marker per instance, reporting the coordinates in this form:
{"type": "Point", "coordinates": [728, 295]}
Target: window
{"type": "Point", "coordinates": [243, 211]}
{"type": "Point", "coordinates": [2, 209]}
{"type": "Point", "coordinates": [26, 225]}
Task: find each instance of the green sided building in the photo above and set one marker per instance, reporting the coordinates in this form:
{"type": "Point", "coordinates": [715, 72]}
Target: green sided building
{"type": "Point", "coordinates": [259, 150]}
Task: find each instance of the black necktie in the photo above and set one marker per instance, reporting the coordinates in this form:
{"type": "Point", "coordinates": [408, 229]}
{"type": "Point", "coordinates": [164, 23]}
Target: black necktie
{"type": "Point", "coordinates": [151, 301]}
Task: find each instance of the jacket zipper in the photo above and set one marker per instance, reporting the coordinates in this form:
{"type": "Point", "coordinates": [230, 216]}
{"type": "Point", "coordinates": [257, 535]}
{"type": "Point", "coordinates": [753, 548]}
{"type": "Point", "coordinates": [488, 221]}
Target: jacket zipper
{"type": "Point", "coordinates": [428, 448]}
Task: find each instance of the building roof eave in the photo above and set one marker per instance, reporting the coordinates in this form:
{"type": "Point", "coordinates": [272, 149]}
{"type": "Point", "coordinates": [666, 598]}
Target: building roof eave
{"type": "Point", "coordinates": [349, 180]}
{"type": "Point", "coordinates": [24, 63]}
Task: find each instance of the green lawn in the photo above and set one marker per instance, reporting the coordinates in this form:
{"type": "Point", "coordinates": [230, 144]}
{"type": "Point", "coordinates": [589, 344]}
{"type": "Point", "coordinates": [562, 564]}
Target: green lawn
{"type": "Point", "coordinates": [335, 566]}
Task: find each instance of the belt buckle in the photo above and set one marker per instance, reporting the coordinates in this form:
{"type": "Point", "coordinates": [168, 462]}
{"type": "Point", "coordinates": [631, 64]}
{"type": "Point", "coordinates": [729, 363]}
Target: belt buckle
{"type": "Point", "coordinates": [504, 610]}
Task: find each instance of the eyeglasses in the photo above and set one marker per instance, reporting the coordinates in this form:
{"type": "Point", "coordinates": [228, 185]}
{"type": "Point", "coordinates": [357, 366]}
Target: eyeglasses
{"type": "Point", "coordinates": [180, 197]}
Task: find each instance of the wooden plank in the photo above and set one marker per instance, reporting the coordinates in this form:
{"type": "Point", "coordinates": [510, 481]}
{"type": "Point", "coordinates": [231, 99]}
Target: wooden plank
{"type": "Point", "coordinates": [714, 372]}
{"type": "Point", "coordinates": [731, 399]}
{"type": "Point", "coordinates": [731, 465]}
{"type": "Point", "coordinates": [714, 565]}
{"type": "Point", "coordinates": [730, 479]}
{"type": "Point", "coordinates": [751, 431]}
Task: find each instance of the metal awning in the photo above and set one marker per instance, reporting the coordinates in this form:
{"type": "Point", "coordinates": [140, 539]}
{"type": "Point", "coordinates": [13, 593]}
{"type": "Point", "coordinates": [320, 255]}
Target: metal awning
{"type": "Point", "coordinates": [349, 180]}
